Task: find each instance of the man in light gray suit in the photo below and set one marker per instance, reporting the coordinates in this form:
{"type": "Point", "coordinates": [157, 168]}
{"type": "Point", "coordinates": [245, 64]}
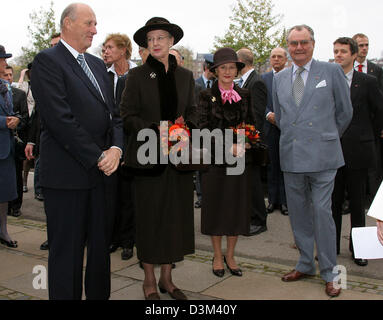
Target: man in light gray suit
{"type": "Point", "coordinates": [312, 109]}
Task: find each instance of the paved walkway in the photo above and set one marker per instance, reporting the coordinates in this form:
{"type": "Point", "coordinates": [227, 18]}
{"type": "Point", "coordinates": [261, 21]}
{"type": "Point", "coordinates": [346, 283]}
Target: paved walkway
{"type": "Point", "coordinates": [261, 279]}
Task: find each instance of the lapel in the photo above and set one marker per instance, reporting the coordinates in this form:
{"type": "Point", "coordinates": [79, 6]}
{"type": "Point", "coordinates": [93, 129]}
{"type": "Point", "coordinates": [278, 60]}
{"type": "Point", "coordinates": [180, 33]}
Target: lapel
{"type": "Point", "coordinates": [248, 80]}
{"type": "Point", "coordinates": [370, 68]}
{"type": "Point", "coordinates": [355, 86]}
{"type": "Point", "coordinates": [79, 72]}
{"type": "Point", "coordinates": [2, 105]}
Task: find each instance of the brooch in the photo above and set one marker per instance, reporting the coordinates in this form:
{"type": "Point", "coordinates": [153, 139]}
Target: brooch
{"type": "Point", "coordinates": [213, 99]}
{"type": "Point", "coordinates": [153, 75]}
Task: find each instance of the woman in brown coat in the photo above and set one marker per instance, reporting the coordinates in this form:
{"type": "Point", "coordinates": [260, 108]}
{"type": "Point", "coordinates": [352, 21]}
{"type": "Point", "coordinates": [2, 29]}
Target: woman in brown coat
{"type": "Point", "coordinates": [158, 91]}
{"type": "Point", "coordinates": [227, 198]}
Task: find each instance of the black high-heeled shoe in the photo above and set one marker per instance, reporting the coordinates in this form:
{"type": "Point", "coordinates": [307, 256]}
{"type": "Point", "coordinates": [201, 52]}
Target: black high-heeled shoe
{"type": "Point", "coordinates": [176, 294]}
{"type": "Point", "coordinates": [10, 244]}
{"type": "Point", "coordinates": [234, 272]}
{"type": "Point", "coordinates": [220, 272]}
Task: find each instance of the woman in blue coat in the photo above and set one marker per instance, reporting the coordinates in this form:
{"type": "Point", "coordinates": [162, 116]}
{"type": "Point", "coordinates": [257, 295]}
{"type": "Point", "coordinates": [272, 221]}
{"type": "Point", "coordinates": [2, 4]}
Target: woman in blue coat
{"type": "Point", "coordinates": [8, 122]}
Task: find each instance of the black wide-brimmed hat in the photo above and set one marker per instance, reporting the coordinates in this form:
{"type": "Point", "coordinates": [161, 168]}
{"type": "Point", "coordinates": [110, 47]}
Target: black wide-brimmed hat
{"type": "Point", "coordinates": [3, 54]}
{"type": "Point", "coordinates": [226, 55]}
{"type": "Point", "coordinates": [157, 23]}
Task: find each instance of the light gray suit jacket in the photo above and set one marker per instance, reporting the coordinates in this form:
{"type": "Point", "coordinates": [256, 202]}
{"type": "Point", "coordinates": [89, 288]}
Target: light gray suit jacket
{"type": "Point", "coordinates": [310, 134]}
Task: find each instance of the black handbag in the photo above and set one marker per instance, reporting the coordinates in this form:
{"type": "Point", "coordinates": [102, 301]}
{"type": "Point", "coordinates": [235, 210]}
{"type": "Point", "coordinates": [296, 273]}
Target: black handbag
{"type": "Point", "coordinates": [261, 154]}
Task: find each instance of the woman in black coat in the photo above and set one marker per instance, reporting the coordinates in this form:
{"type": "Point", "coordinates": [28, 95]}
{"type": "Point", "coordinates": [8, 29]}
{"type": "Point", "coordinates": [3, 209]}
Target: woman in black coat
{"type": "Point", "coordinates": [8, 123]}
{"type": "Point", "coordinates": [159, 91]}
{"type": "Point", "coordinates": [227, 199]}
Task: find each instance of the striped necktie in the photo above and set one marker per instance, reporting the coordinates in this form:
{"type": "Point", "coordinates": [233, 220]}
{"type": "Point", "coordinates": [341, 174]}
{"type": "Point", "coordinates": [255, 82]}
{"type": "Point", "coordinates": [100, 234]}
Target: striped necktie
{"type": "Point", "coordinates": [84, 66]}
{"type": "Point", "coordinates": [298, 87]}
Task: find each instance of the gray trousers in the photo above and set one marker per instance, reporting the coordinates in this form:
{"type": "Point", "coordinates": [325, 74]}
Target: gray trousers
{"type": "Point", "coordinates": [309, 202]}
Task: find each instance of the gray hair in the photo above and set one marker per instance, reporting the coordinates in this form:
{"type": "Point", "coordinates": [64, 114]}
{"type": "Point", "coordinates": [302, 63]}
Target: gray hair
{"type": "Point", "coordinates": [70, 12]}
{"type": "Point", "coordinates": [300, 28]}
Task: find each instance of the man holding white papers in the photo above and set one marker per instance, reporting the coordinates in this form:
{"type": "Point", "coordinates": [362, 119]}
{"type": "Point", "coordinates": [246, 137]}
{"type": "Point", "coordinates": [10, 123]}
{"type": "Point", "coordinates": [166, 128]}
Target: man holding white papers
{"type": "Point", "coordinates": [376, 211]}
{"type": "Point", "coordinates": [358, 141]}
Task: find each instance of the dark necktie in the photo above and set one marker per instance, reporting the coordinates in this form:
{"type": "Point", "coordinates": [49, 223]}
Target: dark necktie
{"type": "Point", "coordinates": [360, 68]}
{"type": "Point", "coordinates": [208, 86]}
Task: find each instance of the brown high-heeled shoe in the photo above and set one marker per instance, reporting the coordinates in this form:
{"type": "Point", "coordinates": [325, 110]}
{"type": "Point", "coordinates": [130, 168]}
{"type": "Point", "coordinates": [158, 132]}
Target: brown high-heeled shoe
{"type": "Point", "coordinates": [176, 294]}
{"type": "Point", "coordinates": [152, 296]}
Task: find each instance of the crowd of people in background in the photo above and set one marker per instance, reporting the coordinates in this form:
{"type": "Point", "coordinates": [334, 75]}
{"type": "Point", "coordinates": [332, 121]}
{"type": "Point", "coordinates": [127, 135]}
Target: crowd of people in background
{"type": "Point", "coordinates": [75, 118]}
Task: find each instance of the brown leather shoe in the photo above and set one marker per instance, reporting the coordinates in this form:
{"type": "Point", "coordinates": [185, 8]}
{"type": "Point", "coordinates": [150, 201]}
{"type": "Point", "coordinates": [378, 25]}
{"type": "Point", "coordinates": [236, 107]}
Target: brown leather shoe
{"type": "Point", "coordinates": [331, 291]}
{"type": "Point", "coordinates": [294, 276]}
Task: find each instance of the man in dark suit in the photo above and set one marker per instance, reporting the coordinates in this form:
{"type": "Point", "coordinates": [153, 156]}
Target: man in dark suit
{"type": "Point", "coordinates": [275, 182]}
{"type": "Point", "coordinates": [203, 82]}
{"type": "Point", "coordinates": [20, 107]}
{"type": "Point", "coordinates": [358, 141]}
{"type": "Point", "coordinates": [80, 149]}
{"type": "Point", "coordinates": [361, 64]}
{"type": "Point", "coordinates": [258, 93]}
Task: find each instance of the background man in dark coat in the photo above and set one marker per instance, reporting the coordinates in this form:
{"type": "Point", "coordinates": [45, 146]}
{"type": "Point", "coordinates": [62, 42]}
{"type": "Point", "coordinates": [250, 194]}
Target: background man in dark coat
{"type": "Point", "coordinates": [375, 174]}
{"type": "Point", "coordinates": [358, 141]}
{"type": "Point", "coordinates": [80, 149]}
{"type": "Point", "coordinates": [275, 183]}
{"type": "Point", "coordinates": [258, 94]}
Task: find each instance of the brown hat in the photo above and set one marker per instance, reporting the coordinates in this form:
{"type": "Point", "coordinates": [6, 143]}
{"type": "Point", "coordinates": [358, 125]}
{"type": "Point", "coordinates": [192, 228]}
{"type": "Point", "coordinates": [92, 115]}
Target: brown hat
{"type": "Point", "coordinates": [157, 23]}
{"type": "Point", "coordinates": [226, 55]}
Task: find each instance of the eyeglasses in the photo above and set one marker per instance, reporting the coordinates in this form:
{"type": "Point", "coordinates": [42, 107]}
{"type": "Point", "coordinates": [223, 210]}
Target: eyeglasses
{"type": "Point", "coordinates": [302, 43]}
{"type": "Point", "coordinates": [159, 39]}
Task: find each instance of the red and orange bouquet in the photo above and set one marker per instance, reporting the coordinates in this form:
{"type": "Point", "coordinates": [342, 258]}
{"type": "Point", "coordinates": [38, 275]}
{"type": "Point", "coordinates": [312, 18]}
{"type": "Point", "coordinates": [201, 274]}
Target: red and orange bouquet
{"type": "Point", "coordinates": [177, 133]}
{"type": "Point", "coordinates": [252, 135]}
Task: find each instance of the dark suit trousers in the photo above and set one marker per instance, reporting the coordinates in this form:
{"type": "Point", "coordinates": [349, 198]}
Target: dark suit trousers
{"type": "Point", "coordinates": [258, 209]}
{"type": "Point", "coordinates": [354, 183]}
{"type": "Point", "coordinates": [124, 221]}
{"type": "Point", "coordinates": [75, 219]}
{"type": "Point", "coordinates": [16, 204]}
{"type": "Point", "coordinates": [275, 182]}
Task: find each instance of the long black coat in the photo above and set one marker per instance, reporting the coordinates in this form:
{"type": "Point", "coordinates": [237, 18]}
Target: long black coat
{"type": "Point", "coordinates": [141, 104]}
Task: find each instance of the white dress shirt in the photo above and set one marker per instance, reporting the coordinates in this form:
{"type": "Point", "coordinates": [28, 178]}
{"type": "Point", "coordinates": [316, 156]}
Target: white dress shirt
{"type": "Point", "coordinates": [364, 64]}
{"type": "Point", "coordinates": [304, 74]}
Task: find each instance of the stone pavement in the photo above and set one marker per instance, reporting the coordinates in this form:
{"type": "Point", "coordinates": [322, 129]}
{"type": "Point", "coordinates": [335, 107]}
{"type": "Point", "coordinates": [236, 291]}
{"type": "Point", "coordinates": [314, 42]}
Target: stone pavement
{"type": "Point", "coordinates": [263, 258]}
{"type": "Point", "coordinates": [261, 279]}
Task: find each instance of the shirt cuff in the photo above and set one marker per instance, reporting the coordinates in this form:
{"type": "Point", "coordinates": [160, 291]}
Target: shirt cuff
{"type": "Point", "coordinates": [114, 147]}
{"type": "Point", "coordinates": [268, 114]}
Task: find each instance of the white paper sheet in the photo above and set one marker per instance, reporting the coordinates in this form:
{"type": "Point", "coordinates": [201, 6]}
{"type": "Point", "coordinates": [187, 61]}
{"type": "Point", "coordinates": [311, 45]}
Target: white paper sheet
{"type": "Point", "coordinates": [376, 208]}
{"type": "Point", "coordinates": [366, 243]}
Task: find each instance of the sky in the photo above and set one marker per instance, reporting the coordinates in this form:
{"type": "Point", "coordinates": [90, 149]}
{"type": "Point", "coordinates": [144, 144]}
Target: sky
{"type": "Point", "coordinates": [203, 20]}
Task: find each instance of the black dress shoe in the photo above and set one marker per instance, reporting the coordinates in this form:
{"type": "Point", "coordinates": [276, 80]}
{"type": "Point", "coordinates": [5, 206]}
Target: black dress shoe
{"type": "Point", "coordinates": [9, 244]}
{"type": "Point", "coordinates": [270, 208]}
{"type": "Point", "coordinates": [284, 210]}
{"type": "Point", "coordinates": [254, 230]}
{"type": "Point", "coordinates": [234, 272]}
{"type": "Point", "coordinates": [126, 253]}
{"type": "Point", "coordinates": [113, 247]}
{"type": "Point", "coordinates": [197, 204]}
{"type": "Point", "coordinates": [39, 196]}
{"type": "Point", "coordinates": [15, 213]}
{"type": "Point", "coordinates": [220, 272]}
{"type": "Point", "coordinates": [44, 245]}
{"type": "Point", "coordinates": [361, 262]}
